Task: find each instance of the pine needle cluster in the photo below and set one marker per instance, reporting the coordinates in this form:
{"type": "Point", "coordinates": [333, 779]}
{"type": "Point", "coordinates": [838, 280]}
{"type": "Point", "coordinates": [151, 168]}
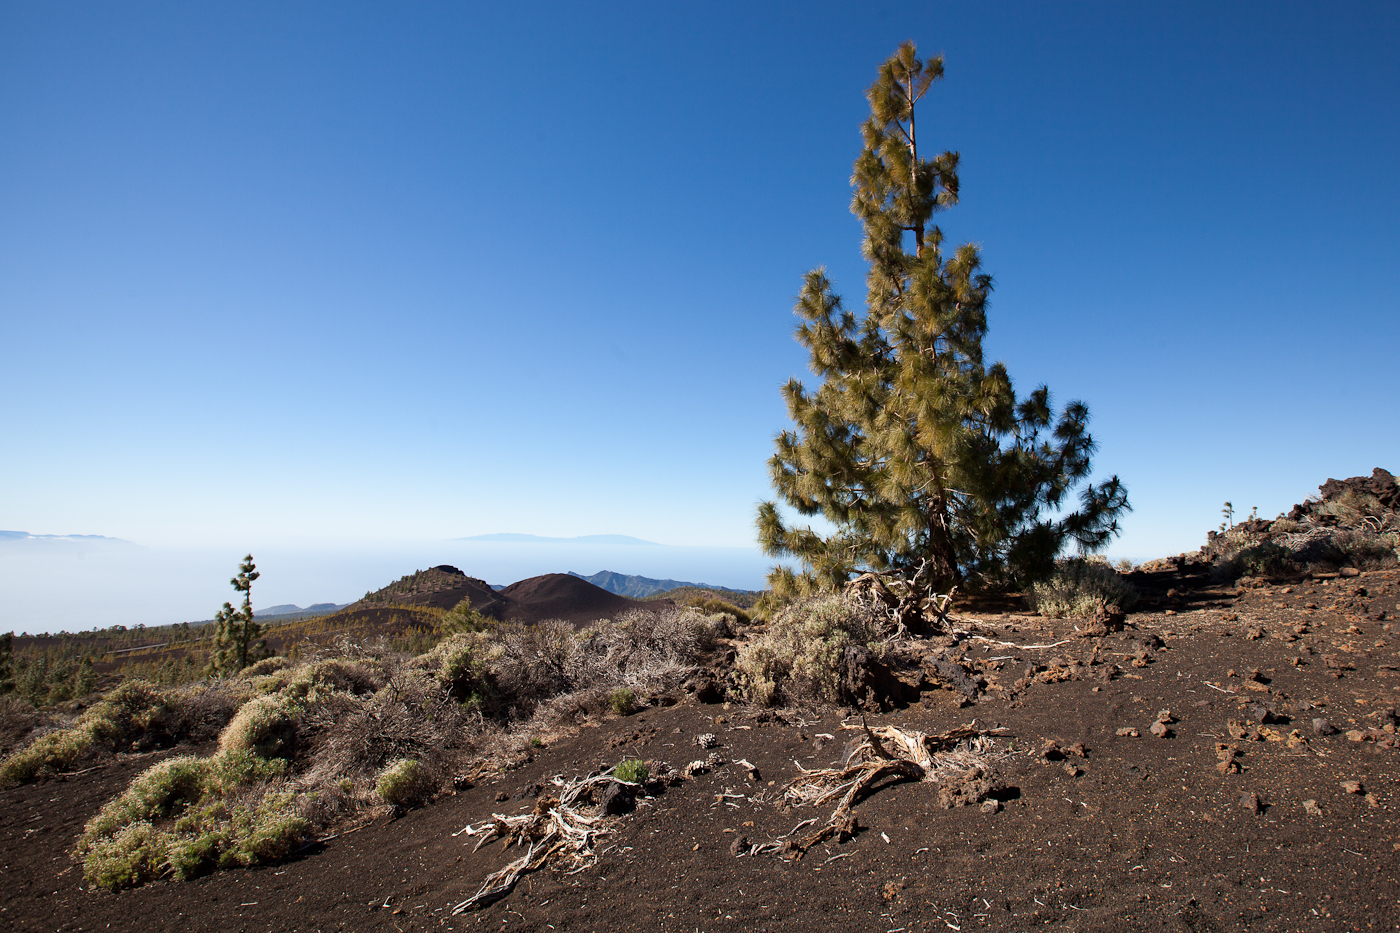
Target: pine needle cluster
{"type": "Point", "coordinates": [921, 455]}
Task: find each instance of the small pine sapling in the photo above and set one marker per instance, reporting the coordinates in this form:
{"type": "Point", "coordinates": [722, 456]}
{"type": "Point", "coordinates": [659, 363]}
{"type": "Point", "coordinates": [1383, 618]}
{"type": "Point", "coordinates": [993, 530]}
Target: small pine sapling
{"type": "Point", "coordinates": [238, 640]}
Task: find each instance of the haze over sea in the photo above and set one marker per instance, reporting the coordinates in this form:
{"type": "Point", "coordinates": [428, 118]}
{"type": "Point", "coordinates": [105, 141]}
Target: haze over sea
{"type": "Point", "coordinates": [69, 584]}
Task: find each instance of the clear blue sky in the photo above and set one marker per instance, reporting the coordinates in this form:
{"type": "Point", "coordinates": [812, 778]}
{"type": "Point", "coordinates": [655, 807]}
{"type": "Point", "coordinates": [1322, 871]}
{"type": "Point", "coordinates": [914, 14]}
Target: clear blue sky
{"type": "Point", "coordinates": [275, 275]}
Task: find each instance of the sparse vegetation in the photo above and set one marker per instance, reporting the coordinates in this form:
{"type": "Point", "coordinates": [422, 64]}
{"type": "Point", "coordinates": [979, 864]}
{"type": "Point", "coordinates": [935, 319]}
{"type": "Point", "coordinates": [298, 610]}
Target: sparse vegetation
{"type": "Point", "coordinates": [623, 701]}
{"type": "Point", "coordinates": [713, 604]}
{"type": "Point", "coordinates": [1356, 523]}
{"type": "Point", "coordinates": [692, 595]}
{"type": "Point", "coordinates": [798, 658]}
{"type": "Point", "coordinates": [631, 770]}
{"type": "Point", "coordinates": [7, 683]}
{"type": "Point", "coordinates": [1081, 588]}
{"type": "Point", "coordinates": [406, 783]}
{"type": "Point", "coordinates": [306, 744]}
{"type": "Point", "coordinates": [134, 712]}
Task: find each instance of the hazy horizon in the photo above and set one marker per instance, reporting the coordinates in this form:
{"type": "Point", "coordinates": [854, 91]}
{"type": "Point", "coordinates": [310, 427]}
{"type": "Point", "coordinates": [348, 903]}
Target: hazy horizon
{"type": "Point", "coordinates": [81, 585]}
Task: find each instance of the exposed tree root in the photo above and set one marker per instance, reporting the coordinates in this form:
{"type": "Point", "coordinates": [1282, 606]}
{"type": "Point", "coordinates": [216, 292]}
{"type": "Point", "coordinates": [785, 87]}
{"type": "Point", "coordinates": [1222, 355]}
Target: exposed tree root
{"type": "Point", "coordinates": [557, 830]}
{"type": "Point", "coordinates": [883, 752]}
{"type": "Point", "coordinates": [909, 603]}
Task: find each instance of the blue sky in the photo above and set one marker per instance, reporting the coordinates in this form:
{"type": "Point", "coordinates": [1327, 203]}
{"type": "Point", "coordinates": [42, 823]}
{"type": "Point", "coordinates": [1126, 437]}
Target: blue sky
{"type": "Point", "coordinates": [288, 276]}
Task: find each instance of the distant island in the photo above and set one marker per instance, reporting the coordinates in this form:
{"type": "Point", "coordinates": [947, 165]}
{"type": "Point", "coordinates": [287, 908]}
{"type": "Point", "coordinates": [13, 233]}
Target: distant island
{"type": "Point", "coordinates": [26, 536]}
{"type": "Point", "coordinates": [510, 538]}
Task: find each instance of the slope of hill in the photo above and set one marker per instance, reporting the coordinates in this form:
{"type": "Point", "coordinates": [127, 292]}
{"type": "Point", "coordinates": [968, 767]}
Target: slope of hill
{"type": "Point", "coordinates": [690, 595]}
{"type": "Point", "coordinates": [1144, 779]}
{"type": "Point", "coordinates": [561, 596]}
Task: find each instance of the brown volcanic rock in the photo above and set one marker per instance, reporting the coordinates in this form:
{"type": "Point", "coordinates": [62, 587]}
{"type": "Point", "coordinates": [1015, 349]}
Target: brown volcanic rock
{"type": "Point", "coordinates": [1380, 485]}
{"type": "Point", "coordinates": [561, 596]}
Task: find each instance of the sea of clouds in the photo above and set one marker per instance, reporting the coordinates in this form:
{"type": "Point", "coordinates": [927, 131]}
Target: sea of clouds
{"type": "Point", "coordinates": [73, 584]}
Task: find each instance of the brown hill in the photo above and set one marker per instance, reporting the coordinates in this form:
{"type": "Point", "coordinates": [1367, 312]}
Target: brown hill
{"type": "Point", "coordinates": [561, 596]}
{"type": "Point", "coordinates": [551, 596]}
{"type": "Point", "coordinates": [442, 587]}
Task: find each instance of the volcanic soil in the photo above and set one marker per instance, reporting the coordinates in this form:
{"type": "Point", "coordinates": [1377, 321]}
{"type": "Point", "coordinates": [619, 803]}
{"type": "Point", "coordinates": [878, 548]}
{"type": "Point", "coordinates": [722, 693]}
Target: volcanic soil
{"type": "Point", "coordinates": [1265, 799]}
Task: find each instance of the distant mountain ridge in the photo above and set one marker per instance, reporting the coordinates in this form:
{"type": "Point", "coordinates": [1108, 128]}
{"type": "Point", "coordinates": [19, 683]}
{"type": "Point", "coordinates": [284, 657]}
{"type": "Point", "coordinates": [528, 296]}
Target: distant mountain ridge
{"type": "Point", "coordinates": [512, 538]}
{"type": "Point", "coordinates": [636, 587]}
{"type": "Point", "coordinates": [287, 609]}
{"type": "Point", "coordinates": [24, 535]}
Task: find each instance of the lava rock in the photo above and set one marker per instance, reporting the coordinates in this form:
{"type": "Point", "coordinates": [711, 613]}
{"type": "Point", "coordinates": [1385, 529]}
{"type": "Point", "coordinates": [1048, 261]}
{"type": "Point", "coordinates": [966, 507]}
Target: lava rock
{"type": "Point", "coordinates": [616, 799]}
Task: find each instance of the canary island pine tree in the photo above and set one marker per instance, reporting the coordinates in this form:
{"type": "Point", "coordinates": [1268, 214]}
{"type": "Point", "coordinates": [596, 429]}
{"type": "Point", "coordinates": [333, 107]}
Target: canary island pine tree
{"type": "Point", "coordinates": [238, 640]}
{"type": "Point", "coordinates": [933, 474]}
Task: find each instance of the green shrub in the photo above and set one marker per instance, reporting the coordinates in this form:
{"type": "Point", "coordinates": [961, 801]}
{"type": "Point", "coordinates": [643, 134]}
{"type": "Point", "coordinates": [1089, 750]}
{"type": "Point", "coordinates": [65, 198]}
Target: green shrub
{"type": "Point", "coordinates": [623, 701]}
{"type": "Point", "coordinates": [130, 712]}
{"type": "Point", "coordinates": [1264, 559]}
{"type": "Point", "coordinates": [1080, 588]}
{"type": "Point", "coordinates": [797, 658]}
{"type": "Point", "coordinates": [266, 666]}
{"type": "Point", "coordinates": [136, 853]}
{"type": "Point", "coordinates": [631, 770]}
{"type": "Point", "coordinates": [52, 752]}
{"type": "Point", "coordinates": [187, 814]}
{"type": "Point", "coordinates": [313, 680]}
{"type": "Point", "coordinates": [163, 790]}
{"type": "Point", "coordinates": [715, 604]}
{"type": "Point", "coordinates": [405, 783]}
{"type": "Point", "coordinates": [462, 619]}
{"type": "Point", "coordinates": [460, 667]}
{"type": "Point", "coordinates": [265, 725]}
{"type": "Point", "coordinates": [271, 832]}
